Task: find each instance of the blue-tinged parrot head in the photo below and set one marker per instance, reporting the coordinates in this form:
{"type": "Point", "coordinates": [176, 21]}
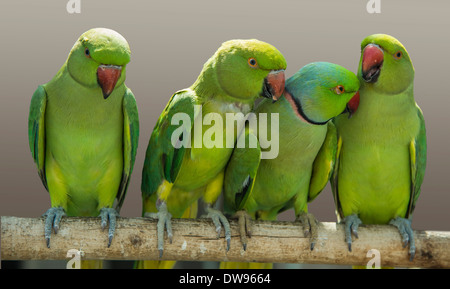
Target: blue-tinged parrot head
{"type": "Point", "coordinates": [320, 91]}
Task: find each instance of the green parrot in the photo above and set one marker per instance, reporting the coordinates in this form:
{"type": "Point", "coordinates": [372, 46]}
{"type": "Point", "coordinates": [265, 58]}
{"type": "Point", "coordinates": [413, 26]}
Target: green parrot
{"type": "Point", "coordinates": [381, 155]}
{"type": "Point", "coordinates": [83, 130]}
{"type": "Point", "coordinates": [259, 187]}
{"type": "Point", "coordinates": [181, 168]}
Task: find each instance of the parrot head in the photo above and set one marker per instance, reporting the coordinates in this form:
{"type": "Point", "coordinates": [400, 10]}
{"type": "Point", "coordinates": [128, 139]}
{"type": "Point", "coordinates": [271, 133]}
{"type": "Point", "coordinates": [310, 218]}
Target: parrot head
{"type": "Point", "coordinates": [385, 64]}
{"type": "Point", "coordinates": [246, 69]}
{"type": "Point", "coordinates": [320, 91]}
{"type": "Point", "coordinates": [98, 60]}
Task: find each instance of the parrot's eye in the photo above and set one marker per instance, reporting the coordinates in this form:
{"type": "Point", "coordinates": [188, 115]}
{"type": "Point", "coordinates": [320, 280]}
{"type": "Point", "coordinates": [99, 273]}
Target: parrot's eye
{"type": "Point", "coordinates": [339, 89]}
{"type": "Point", "coordinates": [252, 62]}
{"type": "Point", "coordinates": [87, 53]}
{"type": "Point", "coordinates": [398, 55]}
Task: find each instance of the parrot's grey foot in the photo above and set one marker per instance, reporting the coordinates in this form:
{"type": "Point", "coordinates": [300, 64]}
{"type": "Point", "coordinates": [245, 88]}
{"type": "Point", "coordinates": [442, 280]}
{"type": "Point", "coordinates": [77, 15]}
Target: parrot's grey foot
{"type": "Point", "coordinates": [164, 221]}
{"type": "Point", "coordinates": [311, 227]}
{"type": "Point", "coordinates": [404, 227]}
{"type": "Point", "coordinates": [219, 219]}
{"type": "Point", "coordinates": [109, 214]}
{"type": "Point", "coordinates": [245, 226]}
{"type": "Point", "coordinates": [352, 223]}
{"type": "Point", "coordinates": [52, 219]}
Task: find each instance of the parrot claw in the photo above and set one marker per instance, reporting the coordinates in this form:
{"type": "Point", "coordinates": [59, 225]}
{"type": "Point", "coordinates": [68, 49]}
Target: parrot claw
{"type": "Point", "coordinates": [352, 223]}
{"type": "Point", "coordinates": [164, 222]}
{"type": "Point", "coordinates": [109, 215]}
{"type": "Point", "coordinates": [245, 226]}
{"type": "Point", "coordinates": [220, 220]}
{"type": "Point", "coordinates": [52, 219]}
{"type": "Point", "coordinates": [412, 253]}
{"type": "Point", "coordinates": [404, 227]}
{"type": "Point", "coordinates": [311, 227]}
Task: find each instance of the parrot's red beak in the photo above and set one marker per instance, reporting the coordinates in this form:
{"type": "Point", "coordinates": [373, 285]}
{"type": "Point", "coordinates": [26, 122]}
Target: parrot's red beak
{"type": "Point", "coordinates": [352, 105]}
{"type": "Point", "coordinates": [372, 62]}
{"type": "Point", "coordinates": [107, 76]}
{"type": "Point", "coordinates": [274, 85]}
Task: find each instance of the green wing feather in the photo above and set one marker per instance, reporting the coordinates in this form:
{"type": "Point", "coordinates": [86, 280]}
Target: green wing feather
{"type": "Point", "coordinates": [240, 174]}
{"type": "Point", "coordinates": [324, 163]}
{"type": "Point", "coordinates": [162, 159]}
{"type": "Point", "coordinates": [334, 180]}
{"type": "Point", "coordinates": [36, 131]}
{"type": "Point", "coordinates": [130, 143]}
{"type": "Point", "coordinates": [418, 155]}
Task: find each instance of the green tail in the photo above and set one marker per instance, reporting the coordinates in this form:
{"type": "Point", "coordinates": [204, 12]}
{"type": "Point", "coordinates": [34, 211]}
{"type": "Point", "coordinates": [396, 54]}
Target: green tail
{"type": "Point", "coordinates": [238, 265]}
{"type": "Point", "coordinates": [365, 267]}
{"type": "Point", "coordinates": [191, 212]}
{"type": "Point", "coordinates": [91, 264]}
{"type": "Point", "coordinates": [145, 264]}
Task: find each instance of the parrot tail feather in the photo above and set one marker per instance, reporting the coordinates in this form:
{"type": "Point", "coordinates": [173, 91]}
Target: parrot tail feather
{"type": "Point", "coordinates": [91, 264]}
{"type": "Point", "coordinates": [238, 265]}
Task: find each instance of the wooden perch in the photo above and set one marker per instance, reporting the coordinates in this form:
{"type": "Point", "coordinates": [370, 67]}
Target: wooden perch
{"type": "Point", "coordinates": [195, 240]}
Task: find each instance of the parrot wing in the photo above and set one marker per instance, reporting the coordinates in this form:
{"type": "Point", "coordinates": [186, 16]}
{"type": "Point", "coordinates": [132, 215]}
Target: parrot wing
{"type": "Point", "coordinates": [163, 159]}
{"type": "Point", "coordinates": [130, 143]}
{"type": "Point", "coordinates": [241, 172]}
{"type": "Point", "coordinates": [418, 156]}
{"type": "Point", "coordinates": [324, 163]}
{"type": "Point", "coordinates": [36, 131]}
{"type": "Point", "coordinates": [334, 180]}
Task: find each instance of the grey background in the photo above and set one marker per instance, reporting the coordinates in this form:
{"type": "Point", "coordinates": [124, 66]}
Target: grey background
{"type": "Point", "coordinates": [170, 40]}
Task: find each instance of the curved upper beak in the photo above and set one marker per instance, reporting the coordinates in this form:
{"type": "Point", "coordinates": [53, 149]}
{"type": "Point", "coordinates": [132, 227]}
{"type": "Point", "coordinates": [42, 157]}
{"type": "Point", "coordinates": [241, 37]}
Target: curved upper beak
{"type": "Point", "coordinates": [274, 85]}
{"type": "Point", "coordinates": [352, 105]}
{"type": "Point", "coordinates": [107, 76]}
{"type": "Point", "coordinates": [372, 62]}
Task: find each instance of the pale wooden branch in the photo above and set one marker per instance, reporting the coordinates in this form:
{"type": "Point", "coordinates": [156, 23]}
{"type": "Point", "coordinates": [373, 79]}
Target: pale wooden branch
{"type": "Point", "coordinates": [195, 240]}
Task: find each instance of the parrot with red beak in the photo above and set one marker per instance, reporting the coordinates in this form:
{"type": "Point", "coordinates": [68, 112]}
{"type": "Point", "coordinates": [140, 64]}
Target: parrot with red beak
{"type": "Point", "coordinates": [83, 132]}
{"type": "Point", "coordinates": [175, 177]}
{"type": "Point", "coordinates": [261, 188]}
{"type": "Point", "coordinates": [382, 149]}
